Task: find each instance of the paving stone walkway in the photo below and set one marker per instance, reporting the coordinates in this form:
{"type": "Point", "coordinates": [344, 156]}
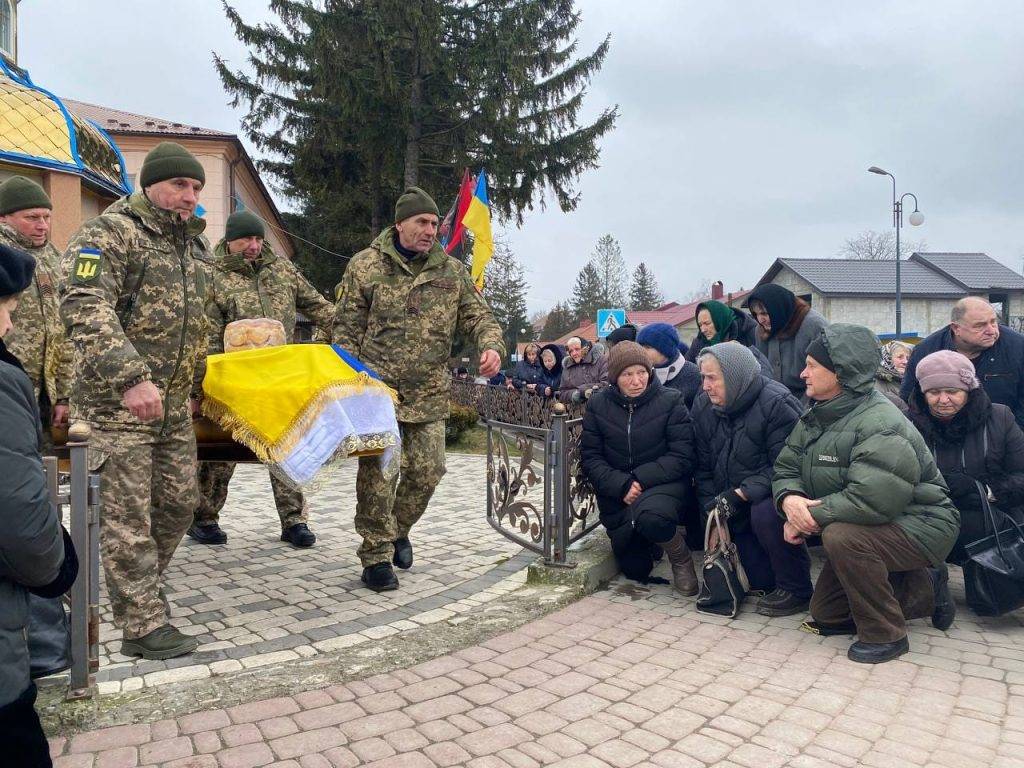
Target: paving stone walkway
{"type": "Point", "coordinates": [258, 601]}
{"type": "Point", "coordinates": [630, 677]}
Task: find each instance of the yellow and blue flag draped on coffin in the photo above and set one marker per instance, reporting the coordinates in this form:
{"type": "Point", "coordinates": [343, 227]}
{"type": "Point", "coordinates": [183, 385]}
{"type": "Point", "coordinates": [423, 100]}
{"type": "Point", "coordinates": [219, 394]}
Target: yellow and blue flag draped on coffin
{"type": "Point", "coordinates": [298, 406]}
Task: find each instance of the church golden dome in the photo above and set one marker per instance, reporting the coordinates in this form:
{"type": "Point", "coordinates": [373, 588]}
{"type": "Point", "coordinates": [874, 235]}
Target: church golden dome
{"type": "Point", "coordinates": [36, 129]}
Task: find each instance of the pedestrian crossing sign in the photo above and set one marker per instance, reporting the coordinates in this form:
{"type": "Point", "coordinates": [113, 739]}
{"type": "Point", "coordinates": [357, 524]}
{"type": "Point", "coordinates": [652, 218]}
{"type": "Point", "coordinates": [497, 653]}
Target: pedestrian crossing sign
{"type": "Point", "coordinates": [608, 320]}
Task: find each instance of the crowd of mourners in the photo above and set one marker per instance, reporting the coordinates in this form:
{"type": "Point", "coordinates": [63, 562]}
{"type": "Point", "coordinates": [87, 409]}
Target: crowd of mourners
{"type": "Point", "coordinates": [796, 432]}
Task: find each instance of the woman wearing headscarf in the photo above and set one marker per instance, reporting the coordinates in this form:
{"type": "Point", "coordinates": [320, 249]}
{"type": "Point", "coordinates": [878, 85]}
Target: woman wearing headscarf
{"type": "Point", "coordinates": [666, 354]}
{"type": "Point", "coordinates": [787, 326]}
{"type": "Point", "coordinates": [637, 453]}
{"type": "Point", "coordinates": [972, 438]}
{"type": "Point", "coordinates": [718, 322]}
{"type": "Point", "coordinates": [35, 555]}
{"type": "Point", "coordinates": [551, 371]}
{"type": "Point", "coordinates": [895, 356]}
{"type": "Point", "coordinates": [527, 373]}
{"type": "Point", "coordinates": [741, 423]}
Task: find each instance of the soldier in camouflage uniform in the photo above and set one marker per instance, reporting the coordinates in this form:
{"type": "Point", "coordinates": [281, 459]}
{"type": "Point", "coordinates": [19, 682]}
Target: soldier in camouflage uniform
{"type": "Point", "coordinates": [400, 305]}
{"type": "Point", "coordinates": [133, 305]}
{"type": "Point", "coordinates": [38, 340]}
{"type": "Point", "coordinates": [248, 280]}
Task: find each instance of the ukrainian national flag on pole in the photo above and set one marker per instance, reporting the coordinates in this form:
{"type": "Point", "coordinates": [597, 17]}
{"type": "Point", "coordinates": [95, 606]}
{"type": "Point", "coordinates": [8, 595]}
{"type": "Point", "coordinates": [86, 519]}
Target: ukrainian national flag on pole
{"type": "Point", "coordinates": [478, 221]}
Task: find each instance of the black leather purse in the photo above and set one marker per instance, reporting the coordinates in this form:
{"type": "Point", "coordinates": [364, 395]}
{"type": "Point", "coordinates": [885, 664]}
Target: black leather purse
{"type": "Point", "coordinates": [724, 582]}
{"type": "Point", "coordinates": [994, 570]}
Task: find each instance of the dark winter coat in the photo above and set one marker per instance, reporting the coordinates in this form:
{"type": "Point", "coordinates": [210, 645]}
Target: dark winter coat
{"type": "Point", "coordinates": [647, 439]}
{"type": "Point", "coordinates": [32, 545]}
{"type": "Point", "coordinates": [552, 378]}
{"type": "Point", "coordinates": [982, 442]}
{"type": "Point", "coordinates": [738, 448]}
{"type": "Point", "coordinates": [526, 372]}
{"type": "Point", "coordinates": [999, 369]}
{"type": "Point", "coordinates": [590, 372]}
{"type": "Point", "coordinates": [863, 459]}
{"type": "Point", "coordinates": [786, 346]}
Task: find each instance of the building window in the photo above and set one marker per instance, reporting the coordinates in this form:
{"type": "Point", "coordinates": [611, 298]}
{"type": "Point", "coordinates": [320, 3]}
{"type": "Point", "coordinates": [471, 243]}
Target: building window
{"type": "Point", "coordinates": [7, 28]}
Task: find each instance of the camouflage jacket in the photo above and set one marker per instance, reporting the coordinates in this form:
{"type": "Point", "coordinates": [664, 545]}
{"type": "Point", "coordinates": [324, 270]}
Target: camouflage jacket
{"type": "Point", "coordinates": [38, 339]}
{"type": "Point", "coordinates": [402, 324]}
{"type": "Point", "coordinates": [270, 286]}
{"type": "Point", "coordinates": [133, 305]}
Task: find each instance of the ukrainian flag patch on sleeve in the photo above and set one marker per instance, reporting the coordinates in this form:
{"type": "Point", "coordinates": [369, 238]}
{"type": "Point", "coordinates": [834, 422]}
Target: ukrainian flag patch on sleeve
{"type": "Point", "coordinates": [87, 266]}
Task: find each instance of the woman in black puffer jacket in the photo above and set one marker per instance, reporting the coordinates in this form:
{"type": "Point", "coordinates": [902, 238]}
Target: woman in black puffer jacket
{"type": "Point", "coordinates": [972, 439]}
{"type": "Point", "coordinates": [637, 451]}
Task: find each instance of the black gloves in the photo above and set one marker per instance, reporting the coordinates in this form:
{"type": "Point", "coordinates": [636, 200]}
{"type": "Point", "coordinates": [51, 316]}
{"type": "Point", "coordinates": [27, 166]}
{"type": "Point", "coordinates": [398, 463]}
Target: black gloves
{"type": "Point", "coordinates": [730, 504]}
{"type": "Point", "coordinates": [67, 575]}
{"type": "Point", "coordinates": [963, 488]}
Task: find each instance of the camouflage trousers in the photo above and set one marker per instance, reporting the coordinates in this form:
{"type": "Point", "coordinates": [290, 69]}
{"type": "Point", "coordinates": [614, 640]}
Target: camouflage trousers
{"type": "Point", "coordinates": [386, 510]}
{"type": "Point", "coordinates": [147, 496]}
{"type": "Point", "coordinates": [214, 477]}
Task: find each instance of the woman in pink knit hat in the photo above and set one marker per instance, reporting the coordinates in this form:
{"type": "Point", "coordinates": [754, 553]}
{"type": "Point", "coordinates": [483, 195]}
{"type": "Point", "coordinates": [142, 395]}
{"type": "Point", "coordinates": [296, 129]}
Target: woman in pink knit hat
{"type": "Point", "coordinates": [973, 439]}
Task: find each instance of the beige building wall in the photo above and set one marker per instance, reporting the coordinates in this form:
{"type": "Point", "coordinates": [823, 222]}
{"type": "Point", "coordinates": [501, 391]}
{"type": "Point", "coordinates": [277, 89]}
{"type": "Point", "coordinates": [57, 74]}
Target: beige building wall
{"type": "Point", "coordinates": [219, 158]}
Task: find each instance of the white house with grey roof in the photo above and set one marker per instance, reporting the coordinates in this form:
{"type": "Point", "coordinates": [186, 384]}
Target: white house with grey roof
{"type": "Point", "coordinates": [863, 291]}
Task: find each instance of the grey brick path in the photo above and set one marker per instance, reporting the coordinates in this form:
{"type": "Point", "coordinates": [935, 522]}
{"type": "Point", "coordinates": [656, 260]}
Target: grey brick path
{"type": "Point", "coordinates": [631, 677]}
{"type": "Point", "coordinates": [257, 600]}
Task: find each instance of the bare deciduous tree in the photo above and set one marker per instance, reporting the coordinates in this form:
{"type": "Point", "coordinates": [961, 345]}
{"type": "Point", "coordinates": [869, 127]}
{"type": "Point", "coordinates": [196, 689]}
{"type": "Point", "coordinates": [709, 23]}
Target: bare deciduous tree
{"type": "Point", "coordinates": [878, 246]}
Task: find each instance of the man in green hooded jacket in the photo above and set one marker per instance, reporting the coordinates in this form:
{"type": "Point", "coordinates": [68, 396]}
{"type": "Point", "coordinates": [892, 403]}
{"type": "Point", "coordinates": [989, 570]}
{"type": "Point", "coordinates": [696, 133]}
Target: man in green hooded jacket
{"type": "Point", "coordinates": [855, 470]}
{"type": "Point", "coordinates": [400, 304]}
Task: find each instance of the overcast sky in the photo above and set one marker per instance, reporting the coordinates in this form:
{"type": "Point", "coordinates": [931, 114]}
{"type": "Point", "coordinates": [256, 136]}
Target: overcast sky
{"type": "Point", "coordinates": [745, 133]}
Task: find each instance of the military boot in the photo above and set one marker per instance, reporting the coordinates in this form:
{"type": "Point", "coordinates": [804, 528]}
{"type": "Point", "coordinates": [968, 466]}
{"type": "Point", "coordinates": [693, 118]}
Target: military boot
{"type": "Point", "coordinates": [403, 554]}
{"type": "Point", "coordinates": [299, 535]}
{"type": "Point", "coordinates": [162, 643]}
{"type": "Point", "coordinates": [208, 534]}
{"type": "Point", "coordinates": [684, 577]}
{"type": "Point", "coordinates": [380, 577]}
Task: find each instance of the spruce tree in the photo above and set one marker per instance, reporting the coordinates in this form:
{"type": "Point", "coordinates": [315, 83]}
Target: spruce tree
{"type": "Point", "coordinates": [560, 320]}
{"type": "Point", "coordinates": [352, 100]}
{"type": "Point", "coordinates": [611, 273]}
{"type": "Point", "coordinates": [644, 293]}
{"type": "Point", "coordinates": [587, 293]}
{"type": "Point", "coordinates": [505, 289]}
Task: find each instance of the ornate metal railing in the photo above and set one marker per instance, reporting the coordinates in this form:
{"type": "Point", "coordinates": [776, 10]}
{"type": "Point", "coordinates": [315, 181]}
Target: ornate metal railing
{"type": "Point", "coordinates": [508, 405]}
{"type": "Point", "coordinates": [537, 493]}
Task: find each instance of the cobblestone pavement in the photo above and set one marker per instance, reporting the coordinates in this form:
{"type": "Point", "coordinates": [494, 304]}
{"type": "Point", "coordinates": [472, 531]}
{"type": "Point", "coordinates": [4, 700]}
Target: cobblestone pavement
{"type": "Point", "coordinates": [257, 601]}
{"type": "Point", "coordinates": [632, 676]}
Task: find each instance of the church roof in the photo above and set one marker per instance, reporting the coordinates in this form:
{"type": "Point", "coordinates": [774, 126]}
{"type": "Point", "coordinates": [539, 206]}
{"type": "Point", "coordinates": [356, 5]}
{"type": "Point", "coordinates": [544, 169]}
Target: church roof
{"type": "Point", "coordinates": [38, 130]}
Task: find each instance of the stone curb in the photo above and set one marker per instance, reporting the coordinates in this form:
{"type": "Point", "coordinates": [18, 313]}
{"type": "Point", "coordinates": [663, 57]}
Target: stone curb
{"type": "Point", "coordinates": [593, 566]}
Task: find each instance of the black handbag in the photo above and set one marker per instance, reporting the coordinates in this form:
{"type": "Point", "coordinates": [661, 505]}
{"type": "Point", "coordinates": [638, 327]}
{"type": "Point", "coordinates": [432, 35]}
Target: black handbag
{"type": "Point", "coordinates": [724, 582]}
{"type": "Point", "coordinates": [994, 570]}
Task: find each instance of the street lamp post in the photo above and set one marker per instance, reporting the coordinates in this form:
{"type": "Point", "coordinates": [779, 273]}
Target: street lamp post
{"type": "Point", "coordinates": [916, 219]}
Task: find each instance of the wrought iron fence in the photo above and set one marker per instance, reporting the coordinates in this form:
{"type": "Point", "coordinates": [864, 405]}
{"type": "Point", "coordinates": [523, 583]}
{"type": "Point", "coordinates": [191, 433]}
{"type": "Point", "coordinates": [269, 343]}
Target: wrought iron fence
{"type": "Point", "coordinates": [537, 493]}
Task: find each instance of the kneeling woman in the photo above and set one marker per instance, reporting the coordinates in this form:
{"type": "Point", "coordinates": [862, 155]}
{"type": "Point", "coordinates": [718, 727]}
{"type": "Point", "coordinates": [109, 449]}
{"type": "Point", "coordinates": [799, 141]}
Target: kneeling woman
{"type": "Point", "coordinates": [741, 423]}
{"type": "Point", "coordinates": [637, 451]}
{"type": "Point", "coordinates": [972, 439]}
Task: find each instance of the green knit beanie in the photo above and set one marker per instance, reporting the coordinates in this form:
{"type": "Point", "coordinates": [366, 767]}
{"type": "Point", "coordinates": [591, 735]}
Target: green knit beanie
{"type": "Point", "coordinates": [244, 224]}
{"type": "Point", "coordinates": [168, 160]}
{"type": "Point", "coordinates": [19, 194]}
{"type": "Point", "coordinates": [414, 202]}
